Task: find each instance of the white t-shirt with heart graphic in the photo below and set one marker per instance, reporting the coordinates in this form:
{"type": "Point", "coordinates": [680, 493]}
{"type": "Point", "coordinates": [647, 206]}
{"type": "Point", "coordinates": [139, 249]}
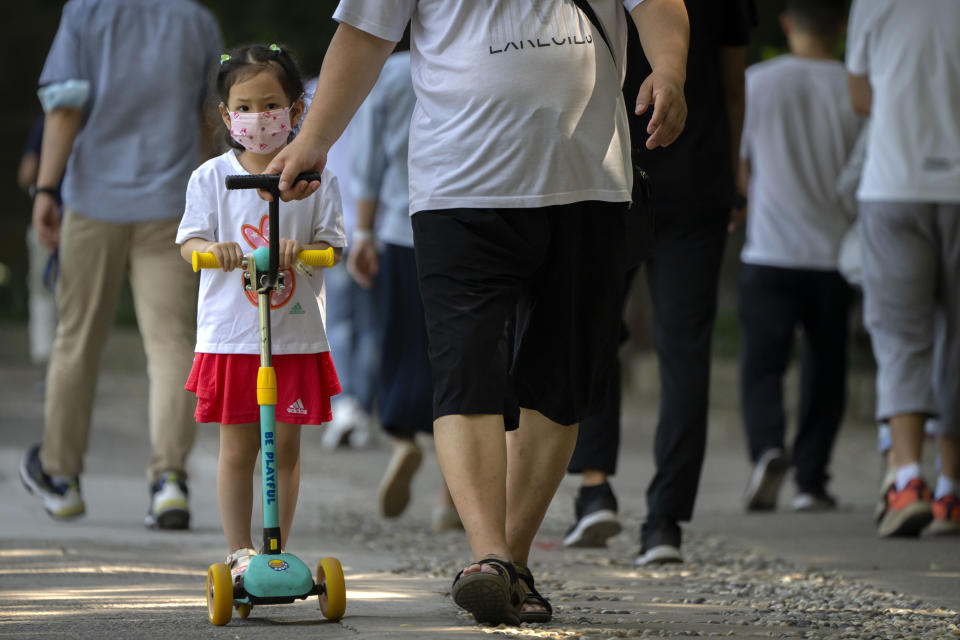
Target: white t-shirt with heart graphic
{"type": "Point", "coordinates": [227, 319]}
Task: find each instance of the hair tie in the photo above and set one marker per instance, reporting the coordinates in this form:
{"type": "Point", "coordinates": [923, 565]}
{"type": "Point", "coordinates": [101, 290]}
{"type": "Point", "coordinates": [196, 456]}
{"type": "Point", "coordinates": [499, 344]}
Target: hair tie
{"type": "Point", "coordinates": [274, 47]}
{"type": "Point", "coordinates": [224, 57]}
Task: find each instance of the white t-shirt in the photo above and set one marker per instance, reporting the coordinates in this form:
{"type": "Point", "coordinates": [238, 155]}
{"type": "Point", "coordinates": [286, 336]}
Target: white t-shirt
{"type": "Point", "coordinates": [227, 320]}
{"type": "Point", "coordinates": [798, 133]}
{"type": "Point", "coordinates": [518, 101]}
{"type": "Point", "coordinates": [911, 53]}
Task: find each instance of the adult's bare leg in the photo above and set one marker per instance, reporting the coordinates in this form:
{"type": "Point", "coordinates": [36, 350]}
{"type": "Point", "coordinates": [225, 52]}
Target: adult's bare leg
{"type": "Point", "coordinates": [537, 457]}
{"type": "Point", "coordinates": [472, 453]}
{"type": "Point", "coordinates": [906, 431]}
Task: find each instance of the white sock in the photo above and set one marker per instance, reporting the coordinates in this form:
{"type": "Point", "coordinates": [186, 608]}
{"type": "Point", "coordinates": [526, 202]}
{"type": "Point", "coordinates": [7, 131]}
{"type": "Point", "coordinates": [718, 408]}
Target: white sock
{"type": "Point", "coordinates": [906, 473]}
{"type": "Point", "coordinates": [946, 486]}
{"type": "Point", "coordinates": [61, 480]}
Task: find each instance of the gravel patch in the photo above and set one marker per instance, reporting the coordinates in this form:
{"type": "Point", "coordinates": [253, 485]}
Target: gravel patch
{"type": "Point", "coordinates": [722, 590]}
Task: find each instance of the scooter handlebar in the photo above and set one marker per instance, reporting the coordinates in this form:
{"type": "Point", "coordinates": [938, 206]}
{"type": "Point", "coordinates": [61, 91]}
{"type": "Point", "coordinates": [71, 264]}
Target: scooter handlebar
{"type": "Point", "coordinates": [312, 257]}
{"type": "Point", "coordinates": [264, 180]}
{"type": "Point", "coordinates": [317, 257]}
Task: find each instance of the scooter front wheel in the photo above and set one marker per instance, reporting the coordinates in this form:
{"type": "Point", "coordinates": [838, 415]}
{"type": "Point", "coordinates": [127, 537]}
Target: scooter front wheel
{"type": "Point", "coordinates": [333, 600]}
{"type": "Point", "coordinates": [219, 594]}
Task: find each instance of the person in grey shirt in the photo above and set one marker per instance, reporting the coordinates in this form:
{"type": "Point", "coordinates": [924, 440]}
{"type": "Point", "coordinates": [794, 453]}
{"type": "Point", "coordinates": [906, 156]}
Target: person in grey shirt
{"type": "Point", "coordinates": [380, 145]}
{"type": "Point", "coordinates": [122, 90]}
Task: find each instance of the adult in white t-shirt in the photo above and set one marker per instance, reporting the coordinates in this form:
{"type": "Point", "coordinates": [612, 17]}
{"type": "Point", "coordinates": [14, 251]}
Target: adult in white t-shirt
{"type": "Point", "coordinates": [519, 178]}
{"type": "Point", "coordinates": [798, 133]}
{"type": "Point", "coordinates": [904, 65]}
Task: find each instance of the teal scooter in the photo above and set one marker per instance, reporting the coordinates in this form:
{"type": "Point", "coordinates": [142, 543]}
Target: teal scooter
{"type": "Point", "coordinates": [273, 577]}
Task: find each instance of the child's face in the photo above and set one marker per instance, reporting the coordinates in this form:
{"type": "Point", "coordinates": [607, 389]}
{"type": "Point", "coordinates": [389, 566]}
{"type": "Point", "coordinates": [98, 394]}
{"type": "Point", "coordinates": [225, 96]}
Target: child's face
{"type": "Point", "coordinates": [258, 93]}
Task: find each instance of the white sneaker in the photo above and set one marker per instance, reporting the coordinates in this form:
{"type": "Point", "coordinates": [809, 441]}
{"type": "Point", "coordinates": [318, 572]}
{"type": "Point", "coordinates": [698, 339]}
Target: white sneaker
{"type": "Point", "coordinates": [394, 493]}
{"type": "Point", "coordinates": [765, 480]}
{"type": "Point", "coordinates": [347, 413]}
{"type": "Point", "coordinates": [445, 518]}
{"type": "Point", "coordinates": [168, 503]}
{"type": "Point", "coordinates": [62, 500]}
{"type": "Point", "coordinates": [814, 501]}
{"type": "Point", "coordinates": [238, 561]}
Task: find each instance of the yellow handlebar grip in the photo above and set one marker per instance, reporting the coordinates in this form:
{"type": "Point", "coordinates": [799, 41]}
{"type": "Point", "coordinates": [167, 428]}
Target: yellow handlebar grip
{"type": "Point", "coordinates": [318, 257]}
{"type": "Point", "coordinates": [204, 261]}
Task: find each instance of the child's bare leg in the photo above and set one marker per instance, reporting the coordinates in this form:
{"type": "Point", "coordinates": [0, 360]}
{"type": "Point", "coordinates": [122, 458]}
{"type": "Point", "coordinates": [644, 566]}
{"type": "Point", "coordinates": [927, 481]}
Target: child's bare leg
{"type": "Point", "coordinates": [239, 445]}
{"type": "Point", "coordinates": [288, 474]}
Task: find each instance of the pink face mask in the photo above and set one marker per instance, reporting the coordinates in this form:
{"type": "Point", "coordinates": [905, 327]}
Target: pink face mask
{"type": "Point", "coordinates": [263, 132]}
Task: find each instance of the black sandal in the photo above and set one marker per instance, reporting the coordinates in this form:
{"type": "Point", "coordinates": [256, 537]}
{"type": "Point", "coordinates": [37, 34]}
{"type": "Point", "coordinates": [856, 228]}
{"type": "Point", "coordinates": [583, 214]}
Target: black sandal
{"type": "Point", "coordinates": [493, 598]}
{"type": "Point", "coordinates": [532, 597]}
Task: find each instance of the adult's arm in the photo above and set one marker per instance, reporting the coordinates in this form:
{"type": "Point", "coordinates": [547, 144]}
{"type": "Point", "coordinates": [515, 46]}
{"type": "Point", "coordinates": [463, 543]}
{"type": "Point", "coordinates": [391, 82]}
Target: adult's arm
{"type": "Point", "coordinates": [861, 93]}
{"type": "Point", "coordinates": [350, 69]}
{"type": "Point", "coordinates": [27, 170]}
{"type": "Point", "coordinates": [60, 129]}
{"type": "Point", "coordinates": [733, 65]}
{"type": "Point", "coordinates": [363, 264]}
{"type": "Point", "coordinates": [664, 31]}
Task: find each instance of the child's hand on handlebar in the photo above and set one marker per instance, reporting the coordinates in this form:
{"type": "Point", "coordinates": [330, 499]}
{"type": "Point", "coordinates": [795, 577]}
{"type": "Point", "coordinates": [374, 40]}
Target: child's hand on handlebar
{"type": "Point", "coordinates": [289, 250]}
{"type": "Point", "coordinates": [228, 254]}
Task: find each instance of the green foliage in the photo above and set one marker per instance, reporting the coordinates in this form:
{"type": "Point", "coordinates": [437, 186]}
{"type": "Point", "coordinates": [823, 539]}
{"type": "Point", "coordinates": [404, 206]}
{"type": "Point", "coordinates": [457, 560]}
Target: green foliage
{"type": "Point", "coordinates": [303, 26]}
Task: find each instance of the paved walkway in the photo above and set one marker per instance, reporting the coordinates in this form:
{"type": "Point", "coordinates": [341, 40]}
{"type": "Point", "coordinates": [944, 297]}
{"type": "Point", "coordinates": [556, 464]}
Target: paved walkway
{"type": "Point", "coordinates": [779, 575]}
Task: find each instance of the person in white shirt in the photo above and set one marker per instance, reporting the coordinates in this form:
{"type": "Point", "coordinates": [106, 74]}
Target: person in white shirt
{"type": "Point", "coordinates": [520, 177]}
{"type": "Point", "coordinates": [903, 60]}
{"type": "Point", "coordinates": [798, 133]}
{"type": "Point", "coordinates": [261, 91]}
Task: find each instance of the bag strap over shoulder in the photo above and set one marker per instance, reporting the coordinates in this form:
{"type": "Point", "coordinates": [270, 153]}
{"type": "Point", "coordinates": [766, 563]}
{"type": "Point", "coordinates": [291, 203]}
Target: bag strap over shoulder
{"type": "Point", "coordinates": [584, 5]}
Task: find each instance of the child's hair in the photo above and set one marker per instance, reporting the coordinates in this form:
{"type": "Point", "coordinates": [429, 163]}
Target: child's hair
{"type": "Point", "coordinates": [247, 61]}
{"type": "Point", "coordinates": [822, 18]}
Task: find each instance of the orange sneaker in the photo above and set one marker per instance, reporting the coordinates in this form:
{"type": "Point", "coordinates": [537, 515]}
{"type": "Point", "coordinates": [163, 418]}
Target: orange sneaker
{"type": "Point", "coordinates": [946, 516]}
{"type": "Point", "coordinates": [908, 510]}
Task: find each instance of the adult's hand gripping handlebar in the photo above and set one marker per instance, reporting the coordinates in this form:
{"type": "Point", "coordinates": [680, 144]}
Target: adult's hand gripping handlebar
{"type": "Point", "coordinates": [311, 257]}
{"type": "Point", "coordinates": [265, 181]}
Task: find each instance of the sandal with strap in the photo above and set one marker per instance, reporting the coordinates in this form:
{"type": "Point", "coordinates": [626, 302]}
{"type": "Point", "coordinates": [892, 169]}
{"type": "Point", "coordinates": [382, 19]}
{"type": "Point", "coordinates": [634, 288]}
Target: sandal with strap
{"type": "Point", "coordinates": [532, 597]}
{"type": "Point", "coordinates": [493, 598]}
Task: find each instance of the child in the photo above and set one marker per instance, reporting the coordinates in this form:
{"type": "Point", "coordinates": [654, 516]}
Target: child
{"type": "Point", "coordinates": [798, 132]}
{"type": "Point", "coordinates": [261, 93]}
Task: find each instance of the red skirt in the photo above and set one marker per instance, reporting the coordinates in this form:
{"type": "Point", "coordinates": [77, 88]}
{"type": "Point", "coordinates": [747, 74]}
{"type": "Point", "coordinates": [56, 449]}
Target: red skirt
{"type": "Point", "coordinates": [226, 387]}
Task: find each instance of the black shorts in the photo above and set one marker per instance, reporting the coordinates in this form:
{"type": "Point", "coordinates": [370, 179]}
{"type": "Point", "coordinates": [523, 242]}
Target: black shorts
{"type": "Point", "coordinates": [523, 307]}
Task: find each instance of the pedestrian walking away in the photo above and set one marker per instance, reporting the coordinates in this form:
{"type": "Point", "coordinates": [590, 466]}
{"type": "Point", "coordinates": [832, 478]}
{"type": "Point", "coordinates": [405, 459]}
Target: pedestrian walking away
{"type": "Point", "coordinates": [909, 199]}
{"type": "Point", "coordinates": [692, 201]}
{"type": "Point", "coordinates": [789, 275]}
{"type": "Point", "coordinates": [383, 255]}
{"type": "Point", "coordinates": [123, 119]}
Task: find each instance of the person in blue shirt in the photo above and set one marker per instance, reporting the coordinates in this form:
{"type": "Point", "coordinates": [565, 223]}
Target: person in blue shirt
{"type": "Point", "coordinates": [122, 89]}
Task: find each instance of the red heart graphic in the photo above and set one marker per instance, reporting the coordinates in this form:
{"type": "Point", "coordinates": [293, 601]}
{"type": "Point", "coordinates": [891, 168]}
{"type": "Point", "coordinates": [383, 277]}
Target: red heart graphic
{"type": "Point", "coordinates": [257, 238]}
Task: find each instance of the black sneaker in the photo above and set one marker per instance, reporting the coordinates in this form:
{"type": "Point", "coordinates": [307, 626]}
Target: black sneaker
{"type": "Point", "coordinates": [168, 503]}
{"type": "Point", "coordinates": [62, 500]}
{"type": "Point", "coordinates": [659, 543]}
{"type": "Point", "coordinates": [596, 509]}
{"type": "Point", "coordinates": [765, 480]}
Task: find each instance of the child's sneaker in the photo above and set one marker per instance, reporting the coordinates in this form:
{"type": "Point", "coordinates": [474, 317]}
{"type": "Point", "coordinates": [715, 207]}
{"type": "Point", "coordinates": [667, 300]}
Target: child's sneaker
{"type": "Point", "coordinates": [238, 561]}
{"type": "Point", "coordinates": [908, 510]}
{"type": "Point", "coordinates": [62, 500]}
{"type": "Point", "coordinates": [946, 516]}
{"type": "Point", "coordinates": [168, 503]}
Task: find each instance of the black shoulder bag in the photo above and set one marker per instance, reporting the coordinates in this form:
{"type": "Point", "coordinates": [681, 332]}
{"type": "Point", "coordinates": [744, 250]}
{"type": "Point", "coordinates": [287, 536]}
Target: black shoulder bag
{"type": "Point", "coordinates": [640, 217]}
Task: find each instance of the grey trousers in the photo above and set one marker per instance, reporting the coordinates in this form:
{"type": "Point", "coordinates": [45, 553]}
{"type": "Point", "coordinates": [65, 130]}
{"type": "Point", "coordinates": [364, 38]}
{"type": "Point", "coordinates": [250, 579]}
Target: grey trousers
{"type": "Point", "coordinates": [911, 269]}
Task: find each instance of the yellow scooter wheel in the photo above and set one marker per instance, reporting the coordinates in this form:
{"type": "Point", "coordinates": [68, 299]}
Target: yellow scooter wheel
{"type": "Point", "coordinates": [333, 602]}
{"type": "Point", "coordinates": [243, 610]}
{"type": "Point", "coordinates": [219, 594]}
